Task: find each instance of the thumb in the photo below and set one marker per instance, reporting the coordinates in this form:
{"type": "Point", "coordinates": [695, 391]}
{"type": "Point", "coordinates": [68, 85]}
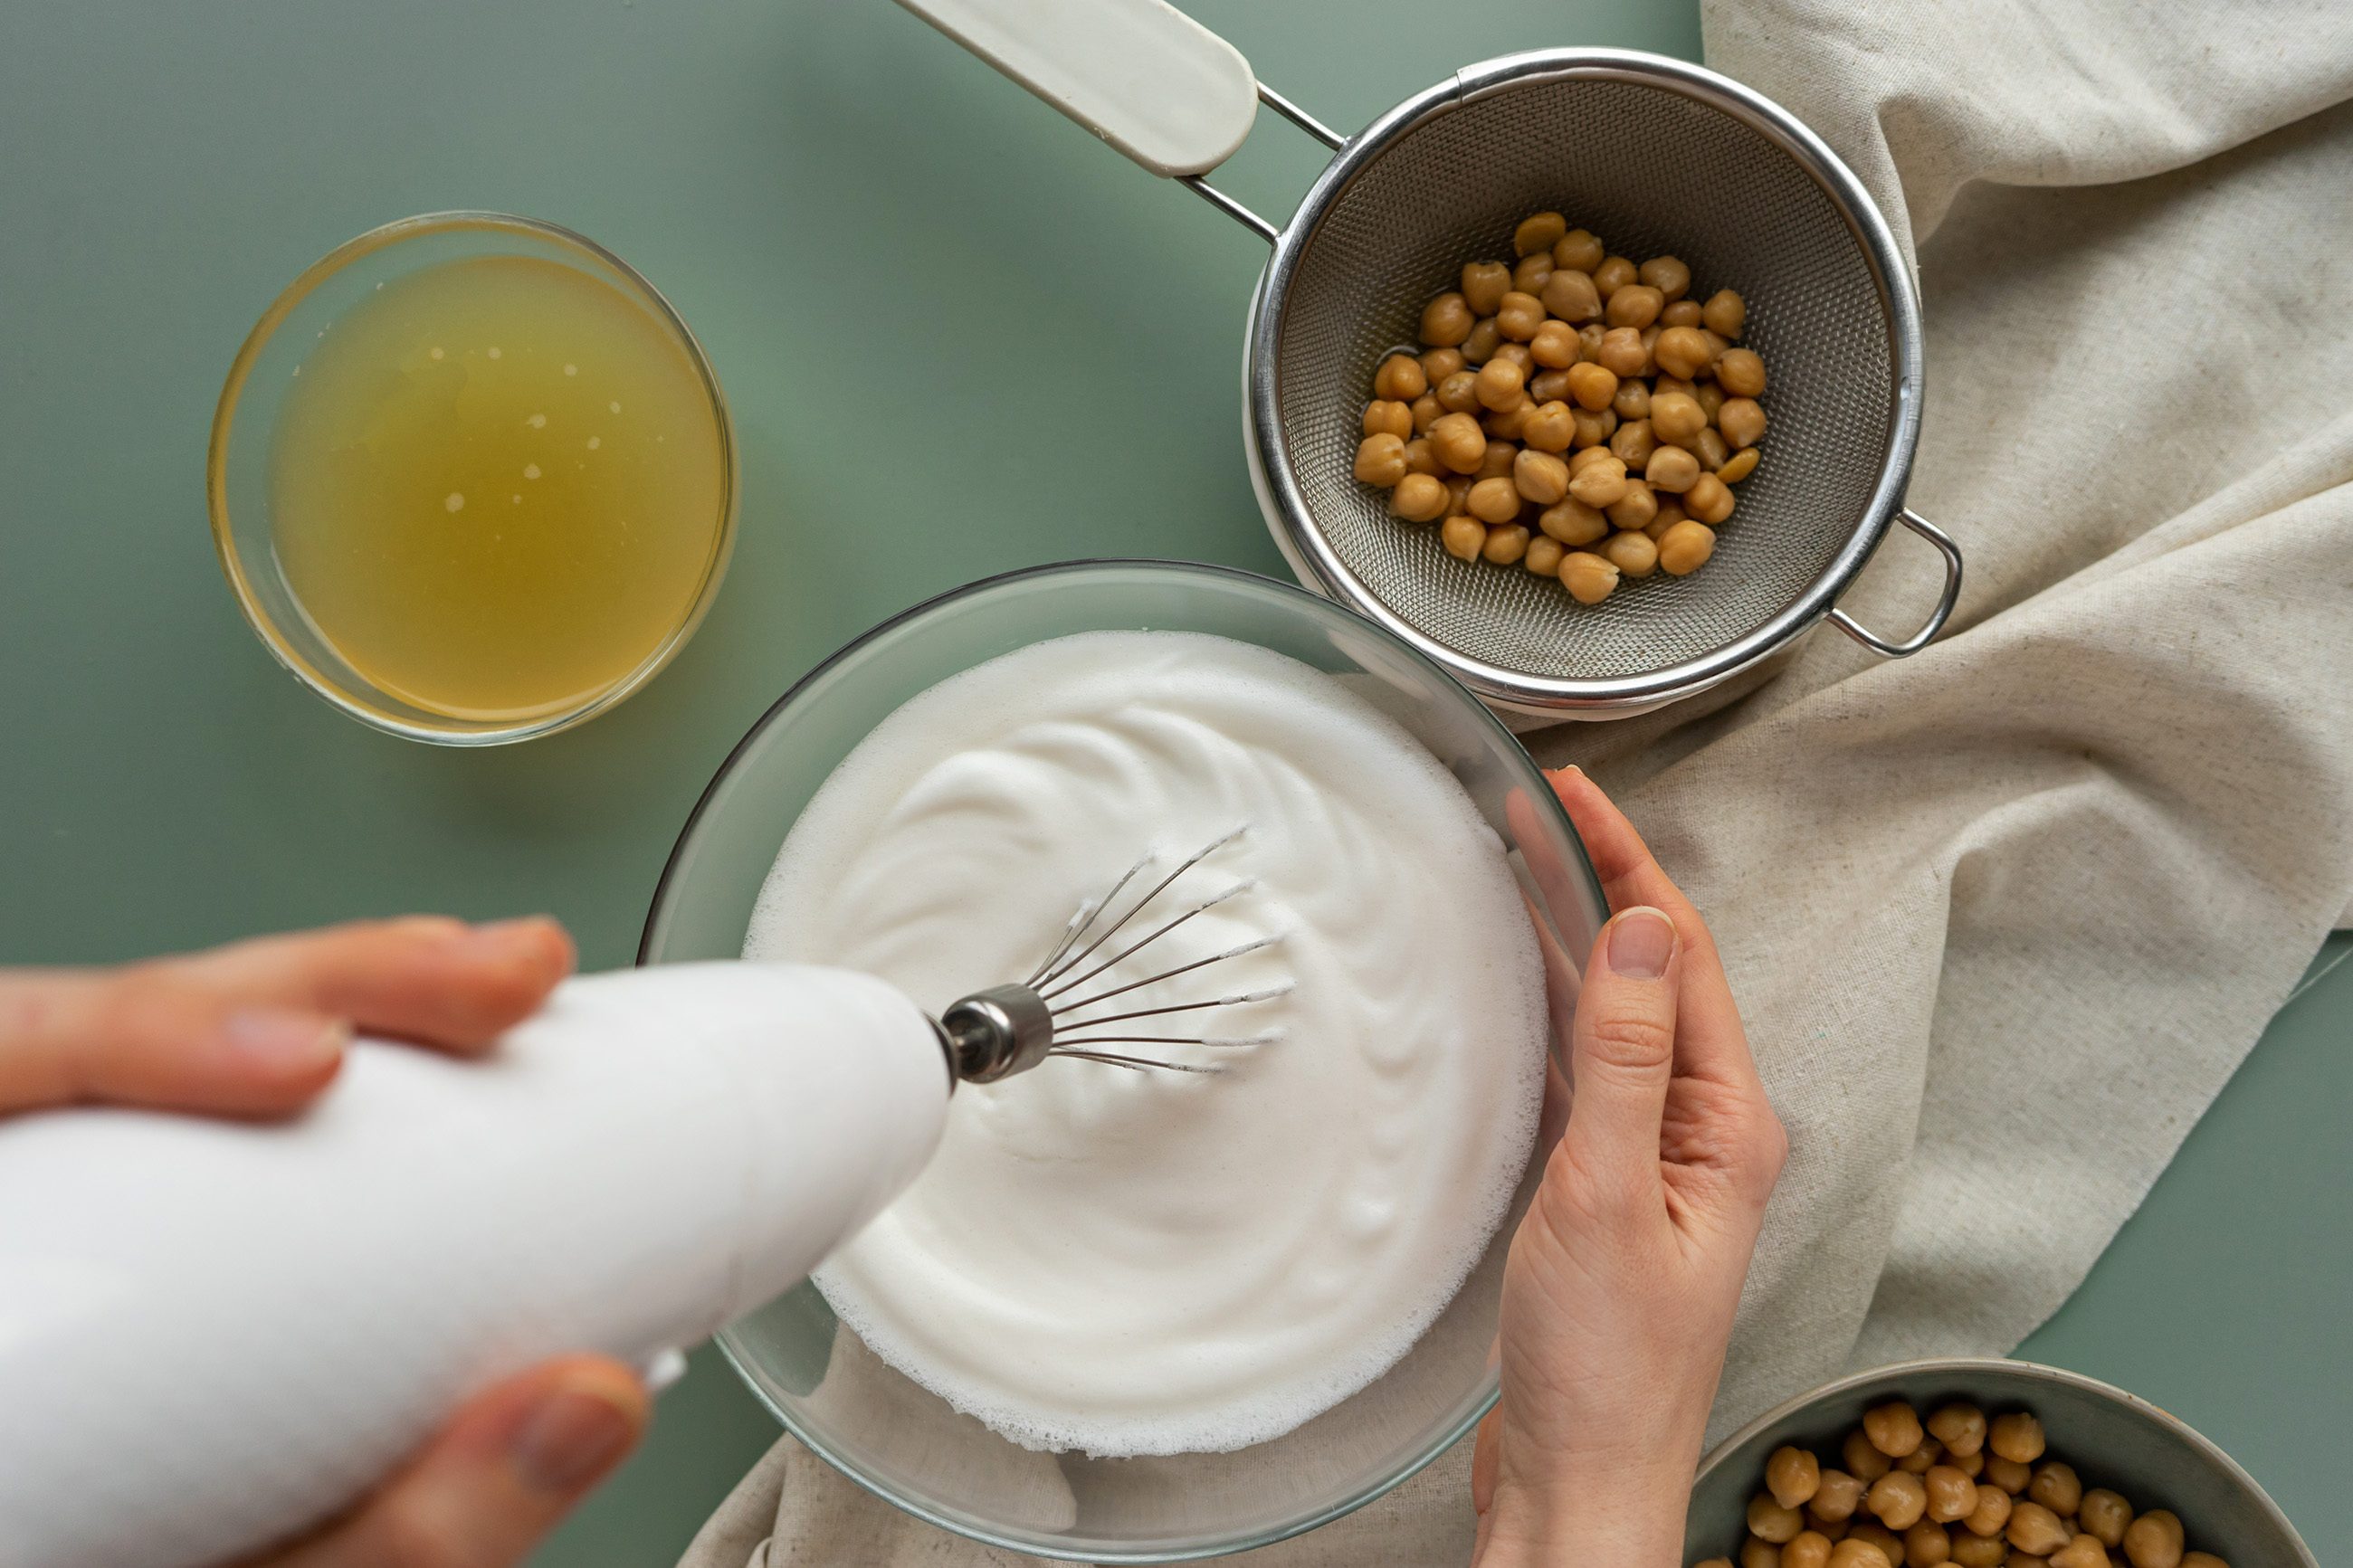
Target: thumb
{"type": "Point", "coordinates": [1622, 1047]}
{"type": "Point", "coordinates": [510, 1465]}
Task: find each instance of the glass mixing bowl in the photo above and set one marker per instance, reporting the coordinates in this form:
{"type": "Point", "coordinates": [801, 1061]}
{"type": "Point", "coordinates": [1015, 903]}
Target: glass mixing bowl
{"type": "Point", "coordinates": [237, 464]}
{"type": "Point", "coordinates": [891, 1435]}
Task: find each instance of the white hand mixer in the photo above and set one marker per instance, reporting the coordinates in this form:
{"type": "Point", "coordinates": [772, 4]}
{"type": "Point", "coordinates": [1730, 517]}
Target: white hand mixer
{"type": "Point", "coordinates": [214, 1333]}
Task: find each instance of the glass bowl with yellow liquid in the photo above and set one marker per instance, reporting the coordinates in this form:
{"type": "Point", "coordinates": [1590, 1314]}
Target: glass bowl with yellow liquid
{"type": "Point", "coordinates": [473, 479]}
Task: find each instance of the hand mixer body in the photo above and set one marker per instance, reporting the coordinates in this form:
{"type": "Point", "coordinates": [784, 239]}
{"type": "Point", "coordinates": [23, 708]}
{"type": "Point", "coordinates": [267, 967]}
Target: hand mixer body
{"type": "Point", "coordinates": [213, 1334]}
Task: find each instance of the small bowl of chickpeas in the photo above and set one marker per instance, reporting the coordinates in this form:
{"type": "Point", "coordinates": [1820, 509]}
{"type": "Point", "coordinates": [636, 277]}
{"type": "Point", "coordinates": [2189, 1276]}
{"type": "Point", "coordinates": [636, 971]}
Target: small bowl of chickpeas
{"type": "Point", "coordinates": [1978, 1462]}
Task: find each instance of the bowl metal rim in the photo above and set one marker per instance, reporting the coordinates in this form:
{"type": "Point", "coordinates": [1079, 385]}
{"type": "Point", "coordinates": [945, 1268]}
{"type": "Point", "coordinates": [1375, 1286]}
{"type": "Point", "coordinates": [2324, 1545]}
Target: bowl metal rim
{"type": "Point", "coordinates": [1320, 566]}
{"type": "Point", "coordinates": [459, 732]}
{"type": "Point", "coordinates": [1962, 1367]}
{"type": "Point", "coordinates": [1547, 802]}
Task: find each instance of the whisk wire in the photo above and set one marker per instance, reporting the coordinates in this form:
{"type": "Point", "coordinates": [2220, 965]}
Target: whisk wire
{"type": "Point", "coordinates": [1055, 973]}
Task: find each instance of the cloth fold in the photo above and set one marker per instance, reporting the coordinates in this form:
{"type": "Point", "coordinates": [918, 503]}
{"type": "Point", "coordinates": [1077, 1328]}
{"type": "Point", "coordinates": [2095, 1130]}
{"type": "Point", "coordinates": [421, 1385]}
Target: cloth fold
{"type": "Point", "coordinates": [2003, 917]}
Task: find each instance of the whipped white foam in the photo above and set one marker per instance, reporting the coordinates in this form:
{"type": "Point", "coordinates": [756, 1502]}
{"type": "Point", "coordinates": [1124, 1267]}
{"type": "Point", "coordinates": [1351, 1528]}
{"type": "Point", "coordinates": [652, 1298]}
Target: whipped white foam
{"type": "Point", "coordinates": [1147, 1263]}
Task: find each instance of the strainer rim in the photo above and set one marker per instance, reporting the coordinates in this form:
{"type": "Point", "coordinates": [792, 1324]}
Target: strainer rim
{"type": "Point", "coordinates": [1310, 551]}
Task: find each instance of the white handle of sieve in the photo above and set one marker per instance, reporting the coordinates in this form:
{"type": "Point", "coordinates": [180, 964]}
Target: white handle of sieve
{"type": "Point", "coordinates": [1173, 97]}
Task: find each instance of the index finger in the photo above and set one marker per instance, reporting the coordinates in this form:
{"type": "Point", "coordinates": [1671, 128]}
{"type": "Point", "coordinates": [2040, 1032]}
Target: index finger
{"type": "Point", "coordinates": [1710, 1042]}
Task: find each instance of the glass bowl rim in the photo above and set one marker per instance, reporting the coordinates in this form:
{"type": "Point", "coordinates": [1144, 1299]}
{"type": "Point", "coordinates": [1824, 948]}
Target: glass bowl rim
{"type": "Point", "coordinates": [1548, 806]}
{"type": "Point", "coordinates": [224, 526]}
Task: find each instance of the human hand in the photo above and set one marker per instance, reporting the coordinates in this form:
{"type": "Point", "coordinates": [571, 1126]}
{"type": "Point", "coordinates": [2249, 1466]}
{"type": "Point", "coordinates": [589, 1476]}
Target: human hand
{"type": "Point", "coordinates": [256, 1030]}
{"type": "Point", "coordinates": [1620, 1289]}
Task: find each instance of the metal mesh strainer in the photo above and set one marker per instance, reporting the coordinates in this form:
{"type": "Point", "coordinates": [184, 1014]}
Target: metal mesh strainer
{"type": "Point", "coordinates": [1656, 156]}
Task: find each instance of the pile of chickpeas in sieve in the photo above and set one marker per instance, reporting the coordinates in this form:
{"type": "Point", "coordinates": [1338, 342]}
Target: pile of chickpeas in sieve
{"type": "Point", "coordinates": [1574, 413]}
{"type": "Point", "coordinates": [1956, 1489]}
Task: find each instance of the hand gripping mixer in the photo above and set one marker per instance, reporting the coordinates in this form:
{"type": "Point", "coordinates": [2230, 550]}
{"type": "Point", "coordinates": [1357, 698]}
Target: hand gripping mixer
{"type": "Point", "coordinates": [213, 1334]}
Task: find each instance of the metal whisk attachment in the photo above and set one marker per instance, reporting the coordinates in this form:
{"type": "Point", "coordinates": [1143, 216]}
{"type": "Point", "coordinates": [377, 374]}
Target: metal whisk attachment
{"type": "Point", "coordinates": [1006, 1029]}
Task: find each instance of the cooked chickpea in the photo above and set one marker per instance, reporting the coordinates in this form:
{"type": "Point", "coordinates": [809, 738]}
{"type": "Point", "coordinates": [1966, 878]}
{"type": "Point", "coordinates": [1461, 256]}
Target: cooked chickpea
{"type": "Point", "coordinates": [1506, 544]}
{"type": "Point", "coordinates": [1865, 1463]}
{"type": "Point", "coordinates": [1710, 398]}
{"type": "Point", "coordinates": [1668, 275]}
{"type": "Point", "coordinates": [1807, 1549]}
{"type": "Point", "coordinates": [1577, 250]}
{"type": "Point", "coordinates": [1422, 457]}
{"type": "Point", "coordinates": [1484, 284]}
{"type": "Point", "coordinates": [1855, 1553]}
{"type": "Point", "coordinates": [2154, 1541]}
{"type": "Point", "coordinates": [1593, 386]}
{"type": "Point", "coordinates": [1614, 273]}
{"type": "Point", "coordinates": [1632, 401]}
{"type": "Point", "coordinates": [1554, 346]}
{"type": "Point", "coordinates": [1890, 1544]}
{"type": "Point", "coordinates": [1741, 373]}
{"type": "Point", "coordinates": [1423, 412]}
{"type": "Point", "coordinates": [1675, 470]}
{"type": "Point", "coordinates": [1485, 338]}
{"type": "Point", "coordinates": [2007, 1473]}
{"type": "Point", "coordinates": [1539, 232]}
{"type": "Point", "coordinates": [1459, 442]}
{"type": "Point", "coordinates": [1633, 443]}
{"type": "Point", "coordinates": [1385, 416]}
{"type": "Point", "coordinates": [1680, 352]}
{"type": "Point", "coordinates": [1437, 364]}
{"type": "Point", "coordinates": [1920, 1460]}
{"type": "Point", "coordinates": [2084, 1551]}
{"type": "Point", "coordinates": [1636, 305]}
{"type": "Point", "coordinates": [1571, 296]}
{"type": "Point", "coordinates": [2056, 1487]}
{"type": "Point", "coordinates": [1725, 314]}
{"type": "Point", "coordinates": [2017, 1436]}
{"type": "Point", "coordinates": [1446, 320]}
{"type": "Point", "coordinates": [1495, 500]}
{"type": "Point", "coordinates": [2035, 1529]}
{"type": "Point", "coordinates": [1709, 501]}
{"type": "Point", "coordinates": [1543, 556]}
{"type": "Point", "coordinates": [1549, 426]}
{"type": "Point", "coordinates": [1990, 1514]}
{"type": "Point", "coordinates": [1980, 1550]}
{"type": "Point", "coordinates": [1970, 1465]}
{"type": "Point", "coordinates": [1400, 379]}
{"type": "Point", "coordinates": [1573, 523]}
{"type": "Point", "coordinates": [1681, 313]}
{"type": "Point", "coordinates": [1709, 449]}
{"type": "Point", "coordinates": [1541, 476]}
{"type": "Point", "coordinates": [1516, 353]}
{"type": "Point", "coordinates": [1458, 392]}
{"type": "Point", "coordinates": [1717, 345]}
{"type": "Point", "coordinates": [1463, 537]}
{"type": "Point", "coordinates": [1737, 467]}
{"type": "Point", "coordinates": [1837, 1494]}
{"type": "Point", "coordinates": [2103, 1516]}
{"type": "Point", "coordinates": [1621, 351]}
{"type": "Point", "coordinates": [1519, 316]}
{"type": "Point", "coordinates": [2202, 1559]}
{"type": "Point", "coordinates": [1418, 499]}
{"type": "Point", "coordinates": [1675, 417]}
{"type": "Point", "coordinates": [1496, 463]}
{"type": "Point", "coordinates": [1589, 339]}
{"type": "Point", "coordinates": [1380, 459]}
{"type": "Point", "coordinates": [1549, 385]}
{"type": "Point", "coordinates": [1636, 508]}
{"type": "Point", "coordinates": [1584, 457]}
{"type": "Point", "coordinates": [1596, 484]}
{"type": "Point", "coordinates": [1592, 428]}
{"type": "Point", "coordinates": [1683, 550]}
{"type": "Point", "coordinates": [1925, 1545]}
{"type": "Point", "coordinates": [1589, 579]}
{"type": "Point", "coordinates": [1898, 1498]}
{"type": "Point", "coordinates": [1530, 273]}
{"type": "Point", "coordinates": [1951, 1494]}
{"type": "Point", "coordinates": [1501, 385]}
{"type": "Point", "coordinates": [1632, 553]}
{"type": "Point", "coordinates": [1756, 1554]}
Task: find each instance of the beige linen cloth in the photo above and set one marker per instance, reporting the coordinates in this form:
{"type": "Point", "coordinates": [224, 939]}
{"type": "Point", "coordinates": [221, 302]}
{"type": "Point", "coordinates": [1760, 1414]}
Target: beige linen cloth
{"type": "Point", "coordinates": [2003, 917]}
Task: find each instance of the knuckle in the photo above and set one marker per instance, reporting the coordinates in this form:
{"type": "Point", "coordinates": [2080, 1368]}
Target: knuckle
{"type": "Point", "coordinates": [1629, 1037]}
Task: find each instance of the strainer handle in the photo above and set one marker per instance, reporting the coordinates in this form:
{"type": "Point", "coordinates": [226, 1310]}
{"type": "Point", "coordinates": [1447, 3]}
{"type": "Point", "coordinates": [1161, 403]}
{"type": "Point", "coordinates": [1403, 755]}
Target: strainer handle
{"type": "Point", "coordinates": [1162, 88]}
{"type": "Point", "coordinates": [1936, 617]}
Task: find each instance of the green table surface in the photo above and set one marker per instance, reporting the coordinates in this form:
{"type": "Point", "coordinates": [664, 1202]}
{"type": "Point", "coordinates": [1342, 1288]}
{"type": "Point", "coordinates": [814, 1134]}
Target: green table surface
{"type": "Point", "coordinates": [958, 337]}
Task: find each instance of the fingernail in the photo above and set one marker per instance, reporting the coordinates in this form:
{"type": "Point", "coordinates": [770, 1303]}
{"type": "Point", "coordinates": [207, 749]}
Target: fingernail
{"type": "Point", "coordinates": [277, 1041]}
{"type": "Point", "coordinates": [1640, 942]}
{"type": "Point", "coordinates": [570, 1439]}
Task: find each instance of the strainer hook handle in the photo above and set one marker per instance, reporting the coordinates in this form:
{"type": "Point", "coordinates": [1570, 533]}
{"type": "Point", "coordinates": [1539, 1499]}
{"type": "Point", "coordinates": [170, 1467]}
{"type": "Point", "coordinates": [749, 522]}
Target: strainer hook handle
{"type": "Point", "coordinates": [1936, 617]}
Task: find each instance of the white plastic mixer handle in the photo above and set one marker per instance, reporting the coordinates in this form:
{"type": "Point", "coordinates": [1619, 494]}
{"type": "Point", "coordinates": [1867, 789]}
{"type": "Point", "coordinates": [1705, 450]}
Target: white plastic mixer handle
{"type": "Point", "coordinates": [1141, 75]}
{"type": "Point", "coordinates": [212, 1334]}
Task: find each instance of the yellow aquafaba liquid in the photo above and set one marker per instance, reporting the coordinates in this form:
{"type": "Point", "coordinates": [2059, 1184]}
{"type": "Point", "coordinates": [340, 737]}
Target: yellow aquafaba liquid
{"type": "Point", "coordinates": [498, 486]}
